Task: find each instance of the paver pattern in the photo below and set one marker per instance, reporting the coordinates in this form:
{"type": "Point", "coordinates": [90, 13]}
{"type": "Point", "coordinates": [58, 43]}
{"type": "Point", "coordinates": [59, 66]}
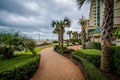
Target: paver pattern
{"type": "Point", "coordinates": [53, 66]}
{"type": "Point", "coordinates": [75, 47]}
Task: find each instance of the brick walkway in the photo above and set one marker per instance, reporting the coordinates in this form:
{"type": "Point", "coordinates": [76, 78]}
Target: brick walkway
{"type": "Point", "coordinates": [75, 47]}
{"type": "Point", "coordinates": [53, 66]}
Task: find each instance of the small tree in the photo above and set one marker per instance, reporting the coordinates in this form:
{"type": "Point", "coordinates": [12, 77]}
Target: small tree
{"type": "Point", "coordinates": [11, 42]}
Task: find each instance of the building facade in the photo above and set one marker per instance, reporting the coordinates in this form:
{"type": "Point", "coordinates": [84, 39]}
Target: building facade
{"type": "Point", "coordinates": [96, 18]}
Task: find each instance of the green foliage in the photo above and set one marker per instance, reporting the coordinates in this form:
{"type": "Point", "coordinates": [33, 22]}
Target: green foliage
{"type": "Point", "coordinates": [73, 41]}
{"type": "Point", "coordinates": [68, 51]}
{"type": "Point", "coordinates": [29, 44]}
{"type": "Point", "coordinates": [97, 45]}
{"type": "Point", "coordinates": [19, 68]}
{"type": "Point", "coordinates": [117, 33]}
{"type": "Point", "coordinates": [79, 41]}
{"type": "Point", "coordinates": [55, 41]}
{"type": "Point", "coordinates": [58, 49]}
{"type": "Point", "coordinates": [115, 58]}
{"type": "Point", "coordinates": [11, 42]}
{"type": "Point", "coordinates": [91, 55]}
{"type": "Point", "coordinates": [90, 69]}
{"type": "Point", "coordinates": [65, 50]}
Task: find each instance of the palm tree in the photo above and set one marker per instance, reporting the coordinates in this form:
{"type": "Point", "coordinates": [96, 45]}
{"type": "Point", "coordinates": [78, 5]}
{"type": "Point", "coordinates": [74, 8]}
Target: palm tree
{"type": "Point", "coordinates": [82, 22]}
{"type": "Point", "coordinates": [69, 33]}
{"type": "Point", "coordinates": [106, 31]}
{"type": "Point", "coordinates": [60, 26]}
{"type": "Point", "coordinates": [63, 23]}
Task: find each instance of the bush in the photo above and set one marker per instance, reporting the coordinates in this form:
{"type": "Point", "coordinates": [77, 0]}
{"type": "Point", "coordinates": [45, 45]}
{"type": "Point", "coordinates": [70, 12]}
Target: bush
{"type": "Point", "coordinates": [115, 58]}
{"type": "Point", "coordinates": [19, 68]}
{"type": "Point", "coordinates": [65, 50]}
{"type": "Point", "coordinates": [94, 57]}
{"type": "Point", "coordinates": [97, 45]}
{"type": "Point", "coordinates": [12, 42]}
{"type": "Point", "coordinates": [58, 49]}
{"type": "Point", "coordinates": [55, 41]}
{"type": "Point", "coordinates": [79, 41]}
{"type": "Point", "coordinates": [73, 41]}
{"type": "Point", "coordinates": [90, 69]}
{"type": "Point", "coordinates": [68, 51]}
{"type": "Point", "coordinates": [91, 55]}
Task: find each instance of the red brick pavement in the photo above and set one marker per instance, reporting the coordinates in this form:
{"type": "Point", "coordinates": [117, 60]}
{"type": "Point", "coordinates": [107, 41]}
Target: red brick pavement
{"type": "Point", "coordinates": [75, 47]}
{"type": "Point", "coordinates": [53, 66]}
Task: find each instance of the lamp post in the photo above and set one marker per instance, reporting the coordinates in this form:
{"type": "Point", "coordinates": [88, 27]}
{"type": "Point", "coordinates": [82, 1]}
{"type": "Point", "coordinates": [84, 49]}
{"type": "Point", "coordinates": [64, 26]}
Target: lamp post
{"type": "Point", "coordinates": [39, 38]}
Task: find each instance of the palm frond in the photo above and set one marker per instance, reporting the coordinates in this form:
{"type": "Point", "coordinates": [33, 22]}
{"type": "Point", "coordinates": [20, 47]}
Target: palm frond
{"type": "Point", "coordinates": [82, 21]}
{"type": "Point", "coordinates": [80, 3]}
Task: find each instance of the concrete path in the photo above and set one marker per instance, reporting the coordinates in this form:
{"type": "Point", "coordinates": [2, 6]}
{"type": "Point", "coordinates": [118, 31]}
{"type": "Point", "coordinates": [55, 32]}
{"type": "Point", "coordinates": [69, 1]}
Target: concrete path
{"type": "Point", "coordinates": [53, 66]}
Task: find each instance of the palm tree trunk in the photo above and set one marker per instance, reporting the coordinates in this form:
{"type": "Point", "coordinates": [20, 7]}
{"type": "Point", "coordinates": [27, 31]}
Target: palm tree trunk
{"type": "Point", "coordinates": [59, 38]}
{"type": "Point", "coordinates": [70, 36]}
{"type": "Point", "coordinates": [62, 39]}
{"type": "Point", "coordinates": [83, 37]}
{"type": "Point", "coordinates": [106, 34]}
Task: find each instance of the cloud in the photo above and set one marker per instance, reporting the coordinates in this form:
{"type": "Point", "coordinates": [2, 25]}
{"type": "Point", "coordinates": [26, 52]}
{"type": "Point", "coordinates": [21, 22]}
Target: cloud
{"type": "Point", "coordinates": [33, 17]}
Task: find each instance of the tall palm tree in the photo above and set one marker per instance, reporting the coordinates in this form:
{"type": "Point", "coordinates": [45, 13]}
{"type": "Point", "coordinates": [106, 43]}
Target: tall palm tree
{"type": "Point", "coordinates": [82, 22]}
{"type": "Point", "coordinates": [63, 23]}
{"type": "Point", "coordinates": [56, 29]}
{"type": "Point", "coordinates": [60, 26]}
{"type": "Point", "coordinates": [106, 31]}
{"type": "Point", "coordinates": [69, 33]}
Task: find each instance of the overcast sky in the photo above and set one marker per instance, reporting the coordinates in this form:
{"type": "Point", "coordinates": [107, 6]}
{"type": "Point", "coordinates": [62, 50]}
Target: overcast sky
{"type": "Point", "coordinates": [33, 17]}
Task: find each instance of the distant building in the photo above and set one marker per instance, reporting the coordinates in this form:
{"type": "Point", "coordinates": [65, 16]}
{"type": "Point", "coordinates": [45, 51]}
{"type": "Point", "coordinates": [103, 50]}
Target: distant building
{"type": "Point", "coordinates": [96, 18]}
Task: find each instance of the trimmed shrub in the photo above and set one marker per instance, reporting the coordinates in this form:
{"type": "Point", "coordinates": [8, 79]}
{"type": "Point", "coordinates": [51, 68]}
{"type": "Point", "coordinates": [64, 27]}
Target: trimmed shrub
{"type": "Point", "coordinates": [58, 49]}
{"type": "Point", "coordinates": [68, 51]}
{"type": "Point", "coordinates": [55, 41]}
{"type": "Point", "coordinates": [65, 50]}
{"type": "Point", "coordinates": [94, 56]}
{"type": "Point", "coordinates": [115, 58]}
{"type": "Point", "coordinates": [91, 55]}
{"type": "Point", "coordinates": [19, 68]}
{"type": "Point", "coordinates": [97, 45]}
{"type": "Point", "coordinates": [90, 69]}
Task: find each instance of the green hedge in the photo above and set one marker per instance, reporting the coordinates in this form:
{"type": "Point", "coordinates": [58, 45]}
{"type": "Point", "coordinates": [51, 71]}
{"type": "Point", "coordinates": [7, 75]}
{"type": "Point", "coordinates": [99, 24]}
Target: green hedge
{"type": "Point", "coordinates": [115, 59]}
{"type": "Point", "coordinates": [64, 51]}
{"type": "Point", "coordinates": [19, 68]}
{"type": "Point", "coordinates": [58, 49]}
{"type": "Point", "coordinates": [115, 56]}
{"type": "Point", "coordinates": [97, 45]}
{"type": "Point", "coordinates": [90, 69]}
{"type": "Point", "coordinates": [92, 55]}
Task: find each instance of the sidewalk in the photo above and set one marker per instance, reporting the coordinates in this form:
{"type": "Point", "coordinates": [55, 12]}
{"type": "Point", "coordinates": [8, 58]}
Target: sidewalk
{"type": "Point", "coordinates": [53, 66]}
